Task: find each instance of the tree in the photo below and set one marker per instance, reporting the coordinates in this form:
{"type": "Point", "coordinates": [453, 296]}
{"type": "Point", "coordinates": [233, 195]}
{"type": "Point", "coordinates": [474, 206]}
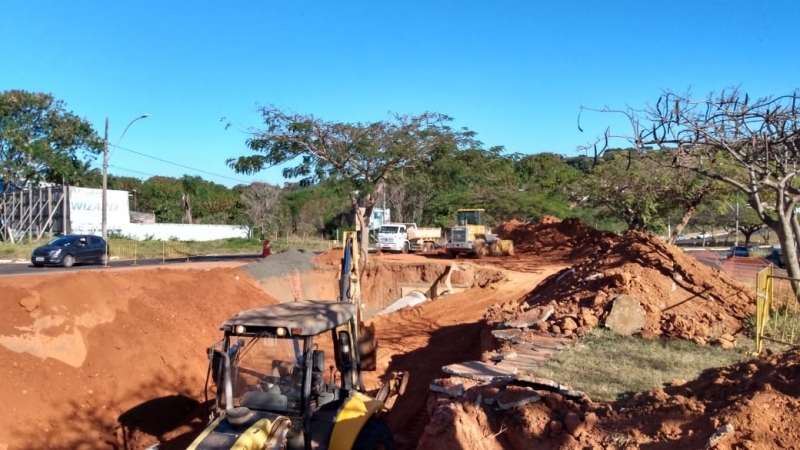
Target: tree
{"type": "Point", "coordinates": [753, 145]}
{"type": "Point", "coordinates": [362, 155]}
{"type": "Point", "coordinates": [261, 201]}
{"type": "Point", "coordinates": [39, 139]}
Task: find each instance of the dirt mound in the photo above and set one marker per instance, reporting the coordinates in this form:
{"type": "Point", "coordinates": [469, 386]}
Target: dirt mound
{"type": "Point", "coordinates": [571, 237]}
{"type": "Point", "coordinates": [680, 297]}
{"type": "Point", "coordinates": [750, 405]}
{"type": "Point", "coordinates": [758, 398]}
{"type": "Point", "coordinates": [89, 357]}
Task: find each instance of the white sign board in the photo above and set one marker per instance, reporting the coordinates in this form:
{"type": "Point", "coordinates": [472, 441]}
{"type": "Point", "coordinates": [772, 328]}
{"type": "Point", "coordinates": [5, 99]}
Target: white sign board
{"type": "Point", "coordinates": [378, 218]}
{"type": "Point", "coordinates": [86, 210]}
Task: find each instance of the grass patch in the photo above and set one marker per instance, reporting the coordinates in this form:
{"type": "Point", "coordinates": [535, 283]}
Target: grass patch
{"type": "Point", "coordinates": [154, 249]}
{"type": "Point", "coordinates": [608, 366]}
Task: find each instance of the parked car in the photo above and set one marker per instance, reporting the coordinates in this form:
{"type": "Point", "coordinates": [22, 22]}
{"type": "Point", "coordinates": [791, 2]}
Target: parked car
{"type": "Point", "coordinates": [776, 257]}
{"type": "Point", "coordinates": [739, 251]}
{"type": "Point", "coordinates": [70, 250]}
{"type": "Point", "coordinates": [681, 237]}
{"type": "Point", "coordinates": [703, 235]}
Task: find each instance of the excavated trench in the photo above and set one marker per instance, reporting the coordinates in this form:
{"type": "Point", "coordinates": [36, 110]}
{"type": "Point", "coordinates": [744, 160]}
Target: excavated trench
{"type": "Point", "coordinates": [385, 282]}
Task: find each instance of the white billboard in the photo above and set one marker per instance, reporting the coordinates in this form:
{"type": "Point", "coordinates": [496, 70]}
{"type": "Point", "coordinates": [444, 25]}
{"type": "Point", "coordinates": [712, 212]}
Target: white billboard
{"type": "Point", "coordinates": [86, 210]}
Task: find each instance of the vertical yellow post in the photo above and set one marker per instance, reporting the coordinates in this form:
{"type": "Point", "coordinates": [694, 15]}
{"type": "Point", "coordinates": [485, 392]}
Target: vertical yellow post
{"type": "Point", "coordinates": [163, 252]}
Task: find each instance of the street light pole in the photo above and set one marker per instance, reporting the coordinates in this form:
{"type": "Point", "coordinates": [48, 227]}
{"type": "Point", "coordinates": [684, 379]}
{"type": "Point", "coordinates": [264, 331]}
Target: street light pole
{"type": "Point", "coordinates": [105, 170]}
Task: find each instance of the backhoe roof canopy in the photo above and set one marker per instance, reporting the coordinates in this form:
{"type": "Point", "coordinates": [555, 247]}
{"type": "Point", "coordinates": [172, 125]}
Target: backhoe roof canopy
{"type": "Point", "coordinates": [302, 318]}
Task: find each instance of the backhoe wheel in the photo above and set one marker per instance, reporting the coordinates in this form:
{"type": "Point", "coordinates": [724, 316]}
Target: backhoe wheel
{"type": "Point", "coordinates": [480, 248]}
{"type": "Point", "coordinates": [375, 435]}
{"type": "Point", "coordinates": [495, 249]}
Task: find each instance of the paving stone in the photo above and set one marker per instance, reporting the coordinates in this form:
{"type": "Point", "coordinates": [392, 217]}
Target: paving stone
{"type": "Point", "coordinates": [514, 396]}
{"type": "Point", "coordinates": [477, 370]}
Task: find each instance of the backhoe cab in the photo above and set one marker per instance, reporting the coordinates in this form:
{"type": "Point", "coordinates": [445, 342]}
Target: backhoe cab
{"type": "Point", "coordinates": [275, 389]}
{"type": "Point", "coordinates": [471, 236]}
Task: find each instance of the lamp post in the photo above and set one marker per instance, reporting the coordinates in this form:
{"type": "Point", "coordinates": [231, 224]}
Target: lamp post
{"type": "Point", "coordinates": [105, 170]}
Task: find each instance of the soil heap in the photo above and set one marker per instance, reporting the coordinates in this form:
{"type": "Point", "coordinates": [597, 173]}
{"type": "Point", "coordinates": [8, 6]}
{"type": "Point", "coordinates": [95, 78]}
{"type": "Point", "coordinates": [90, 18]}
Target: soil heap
{"type": "Point", "coordinates": [112, 359]}
{"type": "Point", "coordinates": [679, 296]}
{"type": "Point", "coordinates": [750, 405]}
{"type": "Point", "coordinates": [571, 238]}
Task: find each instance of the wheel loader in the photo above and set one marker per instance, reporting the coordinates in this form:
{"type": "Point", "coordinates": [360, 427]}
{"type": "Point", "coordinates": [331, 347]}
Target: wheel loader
{"type": "Point", "coordinates": [275, 389]}
{"type": "Point", "coordinates": [471, 236]}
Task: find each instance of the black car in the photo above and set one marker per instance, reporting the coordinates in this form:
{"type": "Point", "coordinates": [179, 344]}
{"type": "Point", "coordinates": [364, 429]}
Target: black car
{"type": "Point", "coordinates": [71, 249]}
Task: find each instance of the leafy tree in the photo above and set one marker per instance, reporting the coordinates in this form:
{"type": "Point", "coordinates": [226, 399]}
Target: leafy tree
{"type": "Point", "coordinates": [362, 155]}
{"type": "Point", "coordinates": [40, 140]}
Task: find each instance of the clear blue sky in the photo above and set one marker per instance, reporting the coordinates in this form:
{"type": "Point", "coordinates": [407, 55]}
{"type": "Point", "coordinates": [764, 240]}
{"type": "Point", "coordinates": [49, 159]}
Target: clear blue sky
{"type": "Point", "coordinates": [514, 71]}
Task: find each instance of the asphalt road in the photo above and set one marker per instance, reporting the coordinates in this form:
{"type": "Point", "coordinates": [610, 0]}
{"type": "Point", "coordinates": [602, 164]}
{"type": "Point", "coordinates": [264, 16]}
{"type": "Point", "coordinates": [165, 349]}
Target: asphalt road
{"type": "Point", "coordinates": [27, 269]}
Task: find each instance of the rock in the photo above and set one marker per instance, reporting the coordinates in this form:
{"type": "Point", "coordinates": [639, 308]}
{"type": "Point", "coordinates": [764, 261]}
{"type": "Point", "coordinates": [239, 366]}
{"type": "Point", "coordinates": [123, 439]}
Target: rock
{"type": "Point", "coordinates": [553, 401]}
{"type": "Point", "coordinates": [589, 421]}
{"type": "Point", "coordinates": [573, 424]}
{"type": "Point", "coordinates": [477, 370]}
{"type": "Point", "coordinates": [507, 335]}
{"type": "Point", "coordinates": [600, 299]}
{"type": "Point", "coordinates": [555, 427]}
{"type": "Point", "coordinates": [721, 433]}
{"type": "Point", "coordinates": [548, 385]}
{"type": "Point", "coordinates": [626, 316]}
{"type": "Point", "coordinates": [31, 301]}
{"type": "Point", "coordinates": [531, 317]}
{"type": "Point", "coordinates": [620, 279]}
{"type": "Point", "coordinates": [588, 318]}
{"type": "Point", "coordinates": [513, 397]}
{"type": "Point", "coordinates": [726, 341]}
{"type": "Point", "coordinates": [502, 356]}
{"type": "Point", "coordinates": [447, 387]}
{"type": "Point", "coordinates": [555, 329]}
{"type": "Point", "coordinates": [569, 324]}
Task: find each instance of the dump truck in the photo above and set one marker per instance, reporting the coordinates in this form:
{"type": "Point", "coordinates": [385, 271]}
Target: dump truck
{"type": "Point", "coordinates": [274, 387]}
{"type": "Point", "coordinates": [470, 236]}
{"type": "Point", "coordinates": [408, 237]}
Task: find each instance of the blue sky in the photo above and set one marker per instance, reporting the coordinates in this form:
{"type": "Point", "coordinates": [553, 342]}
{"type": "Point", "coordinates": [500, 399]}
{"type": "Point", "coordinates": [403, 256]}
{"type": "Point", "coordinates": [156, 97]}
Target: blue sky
{"type": "Point", "coordinates": [516, 72]}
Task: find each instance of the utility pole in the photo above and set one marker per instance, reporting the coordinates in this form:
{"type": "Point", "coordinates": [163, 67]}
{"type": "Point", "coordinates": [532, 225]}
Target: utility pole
{"type": "Point", "coordinates": [105, 183]}
{"type": "Point", "coordinates": [105, 171]}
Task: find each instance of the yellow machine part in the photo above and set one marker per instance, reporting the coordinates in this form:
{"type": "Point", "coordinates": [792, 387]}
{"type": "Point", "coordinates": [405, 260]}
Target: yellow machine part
{"type": "Point", "coordinates": [506, 247]}
{"type": "Point", "coordinates": [253, 438]}
{"type": "Point", "coordinates": [358, 409]}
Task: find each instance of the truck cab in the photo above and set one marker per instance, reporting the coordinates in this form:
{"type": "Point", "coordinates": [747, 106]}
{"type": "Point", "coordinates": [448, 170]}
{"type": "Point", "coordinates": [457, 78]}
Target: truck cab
{"type": "Point", "coordinates": [393, 237]}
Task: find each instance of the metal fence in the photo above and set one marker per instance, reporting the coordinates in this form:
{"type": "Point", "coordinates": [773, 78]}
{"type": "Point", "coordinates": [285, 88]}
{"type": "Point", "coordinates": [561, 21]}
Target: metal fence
{"type": "Point", "coordinates": [777, 309]}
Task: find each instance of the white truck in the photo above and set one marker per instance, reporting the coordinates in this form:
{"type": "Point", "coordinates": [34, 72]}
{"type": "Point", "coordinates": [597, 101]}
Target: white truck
{"type": "Point", "coordinates": [407, 237]}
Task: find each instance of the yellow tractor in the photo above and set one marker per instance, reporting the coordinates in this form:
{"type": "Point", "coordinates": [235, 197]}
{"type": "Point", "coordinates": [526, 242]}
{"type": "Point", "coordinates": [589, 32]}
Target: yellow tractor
{"type": "Point", "coordinates": [274, 389]}
{"type": "Point", "coordinates": [471, 236]}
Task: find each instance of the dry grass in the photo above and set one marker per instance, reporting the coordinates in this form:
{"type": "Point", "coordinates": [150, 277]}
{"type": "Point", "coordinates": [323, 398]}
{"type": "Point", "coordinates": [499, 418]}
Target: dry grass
{"type": "Point", "coordinates": [608, 366]}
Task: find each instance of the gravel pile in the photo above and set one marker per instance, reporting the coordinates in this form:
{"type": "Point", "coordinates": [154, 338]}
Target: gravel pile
{"type": "Point", "coordinates": [280, 264]}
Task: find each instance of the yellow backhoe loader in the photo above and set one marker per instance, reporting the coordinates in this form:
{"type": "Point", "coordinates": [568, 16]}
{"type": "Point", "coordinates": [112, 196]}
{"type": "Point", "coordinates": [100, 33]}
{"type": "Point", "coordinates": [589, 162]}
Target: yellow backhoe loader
{"type": "Point", "coordinates": [471, 236]}
{"type": "Point", "coordinates": [274, 389]}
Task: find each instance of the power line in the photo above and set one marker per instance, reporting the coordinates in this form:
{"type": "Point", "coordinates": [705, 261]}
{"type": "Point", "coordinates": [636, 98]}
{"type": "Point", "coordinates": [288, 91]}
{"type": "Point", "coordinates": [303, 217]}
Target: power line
{"type": "Point", "coordinates": [180, 165]}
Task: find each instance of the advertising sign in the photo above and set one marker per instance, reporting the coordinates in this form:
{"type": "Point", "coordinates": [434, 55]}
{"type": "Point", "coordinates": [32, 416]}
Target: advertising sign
{"type": "Point", "coordinates": [378, 218]}
{"type": "Point", "coordinates": [86, 210]}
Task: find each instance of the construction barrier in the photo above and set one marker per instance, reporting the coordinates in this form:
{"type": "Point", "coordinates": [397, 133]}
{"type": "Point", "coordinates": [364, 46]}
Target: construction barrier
{"type": "Point", "coordinates": [777, 310]}
{"type": "Point", "coordinates": [123, 251]}
{"type": "Point", "coordinates": [174, 250]}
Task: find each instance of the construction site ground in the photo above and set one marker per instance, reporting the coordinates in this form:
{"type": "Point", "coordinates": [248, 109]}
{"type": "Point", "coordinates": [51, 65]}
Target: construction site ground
{"type": "Point", "coordinates": [116, 358]}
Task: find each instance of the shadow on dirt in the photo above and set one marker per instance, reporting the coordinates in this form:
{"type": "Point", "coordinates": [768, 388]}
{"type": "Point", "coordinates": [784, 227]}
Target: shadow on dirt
{"type": "Point", "coordinates": [448, 345]}
{"type": "Point", "coordinates": [171, 420]}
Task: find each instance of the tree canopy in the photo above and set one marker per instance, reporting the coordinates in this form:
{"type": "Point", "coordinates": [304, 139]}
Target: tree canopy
{"type": "Point", "coordinates": [41, 140]}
